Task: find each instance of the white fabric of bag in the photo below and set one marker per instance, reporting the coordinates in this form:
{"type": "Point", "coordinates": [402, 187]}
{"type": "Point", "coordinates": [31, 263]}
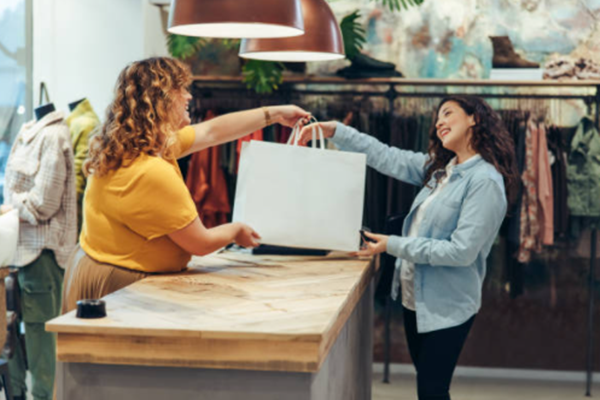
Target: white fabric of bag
{"type": "Point", "coordinates": [299, 196]}
{"type": "Point", "coordinates": [9, 236]}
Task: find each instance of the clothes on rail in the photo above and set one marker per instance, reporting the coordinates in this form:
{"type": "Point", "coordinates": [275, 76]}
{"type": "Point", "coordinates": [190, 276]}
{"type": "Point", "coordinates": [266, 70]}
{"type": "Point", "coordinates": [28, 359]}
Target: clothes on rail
{"type": "Point", "coordinates": [541, 219]}
{"type": "Point", "coordinates": [583, 171]}
{"type": "Point", "coordinates": [206, 182]}
{"type": "Point", "coordinates": [558, 166]}
{"type": "Point", "coordinates": [537, 210]}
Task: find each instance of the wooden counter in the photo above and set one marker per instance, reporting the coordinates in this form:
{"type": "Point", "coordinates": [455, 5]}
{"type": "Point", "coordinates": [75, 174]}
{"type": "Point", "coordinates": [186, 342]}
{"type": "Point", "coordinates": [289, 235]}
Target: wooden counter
{"type": "Point", "coordinates": [231, 311]}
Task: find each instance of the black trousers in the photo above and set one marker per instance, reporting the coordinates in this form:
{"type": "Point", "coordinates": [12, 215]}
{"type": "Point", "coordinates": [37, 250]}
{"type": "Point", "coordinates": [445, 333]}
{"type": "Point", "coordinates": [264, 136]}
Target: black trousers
{"type": "Point", "coordinates": [434, 355]}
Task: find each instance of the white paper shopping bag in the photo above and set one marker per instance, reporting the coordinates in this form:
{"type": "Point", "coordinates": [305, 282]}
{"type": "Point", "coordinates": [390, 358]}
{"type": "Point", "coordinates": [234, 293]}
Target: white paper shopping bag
{"type": "Point", "coordinates": [301, 197]}
{"type": "Point", "coordinates": [9, 236]}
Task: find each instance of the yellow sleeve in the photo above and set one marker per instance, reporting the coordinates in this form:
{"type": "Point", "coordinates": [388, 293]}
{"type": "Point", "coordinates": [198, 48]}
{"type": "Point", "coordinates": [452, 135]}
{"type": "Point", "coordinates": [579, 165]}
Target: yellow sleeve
{"type": "Point", "coordinates": [157, 202]}
{"type": "Point", "coordinates": [186, 137]}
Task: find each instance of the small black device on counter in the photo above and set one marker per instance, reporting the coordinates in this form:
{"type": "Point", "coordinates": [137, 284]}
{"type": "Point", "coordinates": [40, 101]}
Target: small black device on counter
{"type": "Point", "coordinates": [264, 249]}
{"type": "Point", "coordinates": [91, 308]}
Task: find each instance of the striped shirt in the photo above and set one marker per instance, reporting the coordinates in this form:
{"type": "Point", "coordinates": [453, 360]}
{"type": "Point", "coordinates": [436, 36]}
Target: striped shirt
{"type": "Point", "coordinates": [40, 183]}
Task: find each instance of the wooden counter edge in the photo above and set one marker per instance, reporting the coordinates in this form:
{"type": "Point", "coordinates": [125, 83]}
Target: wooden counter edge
{"type": "Point", "coordinates": [258, 355]}
{"type": "Point", "coordinates": [347, 309]}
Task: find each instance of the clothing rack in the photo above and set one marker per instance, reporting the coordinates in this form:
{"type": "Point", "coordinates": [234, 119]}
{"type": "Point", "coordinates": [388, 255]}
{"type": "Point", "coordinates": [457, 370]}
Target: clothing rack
{"type": "Point", "coordinates": [209, 86]}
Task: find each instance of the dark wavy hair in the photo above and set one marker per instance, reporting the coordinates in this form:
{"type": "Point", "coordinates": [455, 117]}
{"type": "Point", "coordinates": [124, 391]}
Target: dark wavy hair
{"type": "Point", "coordinates": [490, 139]}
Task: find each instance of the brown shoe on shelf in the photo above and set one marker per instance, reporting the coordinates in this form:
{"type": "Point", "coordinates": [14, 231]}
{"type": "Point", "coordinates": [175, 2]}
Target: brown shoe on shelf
{"type": "Point", "coordinates": [505, 55]}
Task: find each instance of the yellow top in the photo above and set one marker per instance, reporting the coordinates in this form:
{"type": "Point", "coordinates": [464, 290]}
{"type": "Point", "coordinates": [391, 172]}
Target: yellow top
{"type": "Point", "coordinates": [128, 213]}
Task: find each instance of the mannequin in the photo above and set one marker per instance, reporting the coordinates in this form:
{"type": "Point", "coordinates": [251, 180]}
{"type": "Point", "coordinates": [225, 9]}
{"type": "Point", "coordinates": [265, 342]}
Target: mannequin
{"type": "Point", "coordinates": [75, 104]}
{"type": "Point", "coordinates": [43, 110]}
{"type": "Point", "coordinates": [48, 189]}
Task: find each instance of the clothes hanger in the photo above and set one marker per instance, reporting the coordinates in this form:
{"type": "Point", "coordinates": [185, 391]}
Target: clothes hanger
{"type": "Point", "coordinates": [43, 109]}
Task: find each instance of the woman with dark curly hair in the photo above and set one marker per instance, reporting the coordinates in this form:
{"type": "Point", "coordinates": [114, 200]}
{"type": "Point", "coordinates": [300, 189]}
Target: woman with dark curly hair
{"type": "Point", "coordinates": [139, 217]}
{"type": "Point", "coordinates": [469, 177]}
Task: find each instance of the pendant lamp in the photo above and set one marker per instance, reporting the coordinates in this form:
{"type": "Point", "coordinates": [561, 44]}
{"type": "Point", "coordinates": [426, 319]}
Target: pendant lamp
{"type": "Point", "coordinates": [322, 39]}
{"type": "Point", "coordinates": [236, 18]}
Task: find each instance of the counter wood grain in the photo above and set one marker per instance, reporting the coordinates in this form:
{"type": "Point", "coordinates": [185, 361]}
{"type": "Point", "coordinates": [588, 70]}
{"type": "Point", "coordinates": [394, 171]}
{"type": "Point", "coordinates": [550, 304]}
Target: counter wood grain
{"type": "Point", "coordinates": [230, 311]}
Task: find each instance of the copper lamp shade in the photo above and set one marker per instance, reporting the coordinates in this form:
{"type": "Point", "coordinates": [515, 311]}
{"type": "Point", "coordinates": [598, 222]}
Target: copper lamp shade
{"type": "Point", "coordinates": [321, 41]}
{"type": "Point", "coordinates": [236, 18]}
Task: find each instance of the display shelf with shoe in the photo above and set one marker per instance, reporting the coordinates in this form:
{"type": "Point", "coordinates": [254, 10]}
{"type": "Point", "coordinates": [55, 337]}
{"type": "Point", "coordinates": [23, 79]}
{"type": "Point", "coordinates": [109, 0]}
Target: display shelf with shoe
{"type": "Point", "coordinates": [507, 64]}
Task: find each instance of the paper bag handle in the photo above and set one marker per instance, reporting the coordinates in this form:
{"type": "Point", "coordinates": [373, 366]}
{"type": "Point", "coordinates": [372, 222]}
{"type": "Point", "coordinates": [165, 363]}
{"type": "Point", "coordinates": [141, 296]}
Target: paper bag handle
{"type": "Point", "coordinates": [296, 130]}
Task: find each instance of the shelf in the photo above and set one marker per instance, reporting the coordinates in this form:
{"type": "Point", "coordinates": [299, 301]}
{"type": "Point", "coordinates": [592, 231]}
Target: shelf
{"type": "Point", "coordinates": [325, 80]}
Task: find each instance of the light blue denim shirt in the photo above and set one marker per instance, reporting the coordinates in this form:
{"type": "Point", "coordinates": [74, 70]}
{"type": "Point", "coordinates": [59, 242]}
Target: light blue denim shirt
{"type": "Point", "coordinates": [455, 236]}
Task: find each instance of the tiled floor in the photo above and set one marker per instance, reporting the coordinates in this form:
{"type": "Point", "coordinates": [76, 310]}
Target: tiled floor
{"type": "Point", "coordinates": [402, 387]}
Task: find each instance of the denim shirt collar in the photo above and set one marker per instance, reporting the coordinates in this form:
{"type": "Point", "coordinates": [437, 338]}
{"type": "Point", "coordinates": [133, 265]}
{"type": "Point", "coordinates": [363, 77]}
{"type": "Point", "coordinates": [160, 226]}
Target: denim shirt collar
{"type": "Point", "coordinates": [459, 169]}
{"type": "Point", "coordinates": [470, 163]}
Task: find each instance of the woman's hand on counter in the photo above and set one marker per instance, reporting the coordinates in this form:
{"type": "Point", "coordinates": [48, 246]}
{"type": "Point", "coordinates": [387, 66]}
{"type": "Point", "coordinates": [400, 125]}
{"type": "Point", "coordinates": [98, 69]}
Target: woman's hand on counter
{"type": "Point", "coordinates": [379, 245]}
{"type": "Point", "coordinates": [306, 132]}
{"type": "Point", "coordinates": [246, 236]}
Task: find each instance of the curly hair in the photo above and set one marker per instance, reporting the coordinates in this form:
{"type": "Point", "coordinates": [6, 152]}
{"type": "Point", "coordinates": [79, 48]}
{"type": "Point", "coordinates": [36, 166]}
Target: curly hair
{"type": "Point", "coordinates": [139, 120]}
{"type": "Point", "coordinates": [489, 138]}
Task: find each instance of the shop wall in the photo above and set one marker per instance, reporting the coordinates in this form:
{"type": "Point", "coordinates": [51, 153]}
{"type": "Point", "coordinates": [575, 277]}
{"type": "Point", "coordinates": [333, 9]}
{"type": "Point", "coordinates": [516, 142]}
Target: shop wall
{"type": "Point", "coordinates": [450, 38]}
{"type": "Point", "coordinates": [156, 13]}
{"type": "Point", "coordinates": [80, 46]}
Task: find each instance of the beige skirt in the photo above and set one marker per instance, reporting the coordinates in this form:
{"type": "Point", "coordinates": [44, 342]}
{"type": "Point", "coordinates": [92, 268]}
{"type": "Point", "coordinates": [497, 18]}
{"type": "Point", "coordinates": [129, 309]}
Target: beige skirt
{"type": "Point", "coordinates": [86, 278]}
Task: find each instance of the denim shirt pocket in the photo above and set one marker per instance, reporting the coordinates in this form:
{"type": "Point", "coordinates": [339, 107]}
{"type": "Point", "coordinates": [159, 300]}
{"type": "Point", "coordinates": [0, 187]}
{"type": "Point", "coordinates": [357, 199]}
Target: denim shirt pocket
{"type": "Point", "coordinates": [445, 218]}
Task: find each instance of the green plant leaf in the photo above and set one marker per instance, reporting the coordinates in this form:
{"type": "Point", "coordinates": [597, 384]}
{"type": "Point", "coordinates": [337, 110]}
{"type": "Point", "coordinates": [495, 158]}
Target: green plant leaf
{"type": "Point", "coordinates": [183, 47]}
{"type": "Point", "coordinates": [231, 44]}
{"type": "Point", "coordinates": [262, 76]}
{"type": "Point", "coordinates": [397, 5]}
{"type": "Point", "coordinates": [353, 34]}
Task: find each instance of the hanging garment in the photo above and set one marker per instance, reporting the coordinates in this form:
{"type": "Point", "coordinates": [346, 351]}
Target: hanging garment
{"type": "Point", "coordinates": [400, 195]}
{"type": "Point", "coordinates": [422, 139]}
{"type": "Point", "coordinates": [559, 184]}
{"type": "Point", "coordinates": [516, 124]}
{"type": "Point", "coordinates": [207, 185]}
{"type": "Point", "coordinates": [257, 135]}
{"type": "Point", "coordinates": [283, 134]}
{"type": "Point", "coordinates": [376, 192]}
{"type": "Point", "coordinates": [82, 121]}
{"type": "Point", "coordinates": [529, 229]}
{"type": "Point", "coordinates": [544, 189]}
{"type": "Point", "coordinates": [583, 171]}
{"type": "Point", "coordinates": [269, 134]}
{"type": "Point", "coordinates": [40, 183]}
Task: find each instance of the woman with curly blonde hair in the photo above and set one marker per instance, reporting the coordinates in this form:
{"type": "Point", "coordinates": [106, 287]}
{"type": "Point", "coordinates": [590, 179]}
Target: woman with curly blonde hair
{"type": "Point", "coordinates": [139, 217]}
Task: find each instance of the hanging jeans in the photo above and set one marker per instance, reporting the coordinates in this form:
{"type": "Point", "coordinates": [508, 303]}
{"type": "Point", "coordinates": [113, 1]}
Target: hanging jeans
{"type": "Point", "coordinates": [434, 355]}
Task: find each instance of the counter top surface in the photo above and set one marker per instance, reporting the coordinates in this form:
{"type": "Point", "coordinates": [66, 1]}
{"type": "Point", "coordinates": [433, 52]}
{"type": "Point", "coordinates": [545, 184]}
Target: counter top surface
{"type": "Point", "coordinates": [271, 306]}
